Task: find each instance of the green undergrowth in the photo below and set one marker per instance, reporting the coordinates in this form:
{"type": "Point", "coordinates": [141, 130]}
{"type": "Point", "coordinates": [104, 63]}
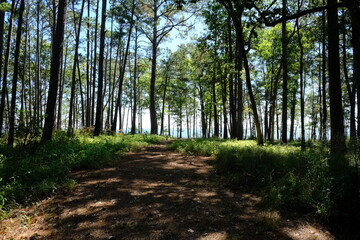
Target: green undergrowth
{"type": "Point", "coordinates": [31, 172]}
{"type": "Point", "coordinates": [290, 179]}
{"type": "Point", "coordinates": [199, 147]}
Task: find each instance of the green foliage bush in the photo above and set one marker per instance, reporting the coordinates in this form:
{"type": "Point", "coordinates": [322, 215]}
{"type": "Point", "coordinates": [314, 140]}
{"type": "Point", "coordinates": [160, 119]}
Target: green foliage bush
{"type": "Point", "coordinates": [289, 178]}
{"type": "Point", "coordinates": [292, 179]}
{"type": "Point", "coordinates": [200, 147]}
{"type": "Point", "coordinates": [32, 171]}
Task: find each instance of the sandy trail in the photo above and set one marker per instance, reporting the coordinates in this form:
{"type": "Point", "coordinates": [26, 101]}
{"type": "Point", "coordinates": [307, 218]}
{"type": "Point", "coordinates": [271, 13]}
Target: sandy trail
{"type": "Point", "coordinates": [153, 194]}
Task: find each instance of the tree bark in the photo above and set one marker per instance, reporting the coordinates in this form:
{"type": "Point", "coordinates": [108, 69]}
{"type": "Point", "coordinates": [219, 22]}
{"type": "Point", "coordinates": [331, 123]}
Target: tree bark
{"type": "Point", "coordinates": [2, 19]}
{"type": "Point", "coordinates": [302, 88]}
{"type": "Point", "coordinates": [76, 59]}
{"type": "Point", "coordinates": [122, 73]}
{"type": "Point", "coordinates": [100, 98]}
{"type": "Point", "coordinates": [285, 75]}
{"type": "Point", "coordinates": [16, 74]}
{"type": "Point", "coordinates": [336, 110]}
{"type": "Point", "coordinates": [323, 77]}
{"type": "Point", "coordinates": [350, 89]}
{"type": "Point", "coordinates": [133, 120]}
{"type": "Point", "coordinates": [57, 51]}
{"type": "Point", "coordinates": [4, 90]}
{"type": "Point", "coordinates": [216, 118]}
{"type": "Point", "coordinates": [153, 119]}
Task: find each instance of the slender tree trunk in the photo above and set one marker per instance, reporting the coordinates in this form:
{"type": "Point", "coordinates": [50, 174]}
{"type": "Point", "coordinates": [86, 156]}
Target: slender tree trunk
{"type": "Point", "coordinates": [95, 64]}
{"type": "Point", "coordinates": [163, 105]}
{"type": "Point", "coordinates": [354, 11]}
{"type": "Point", "coordinates": [202, 107]}
{"type": "Point", "coordinates": [285, 75]}
{"type": "Point", "coordinates": [81, 96]}
{"type": "Point", "coordinates": [122, 73]}
{"type": "Point", "coordinates": [76, 59]}
{"type": "Point", "coordinates": [224, 94]}
{"type": "Point", "coordinates": [37, 67]}
{"type": "Point", "coordinates": [6, 63]}
{"type": "Point", "coordinates": [292, 114]}
{"type": "Point", "coordinates": [133, 121]}
{"type": "Point", "coordinates": [16, 74]}
{"type": "Point", "coordinates": [336, 109]}
{"type": "Point", "coordinates": [302, 87]}
{"type": "Point", "coordinates": [216, 118]}
{"type": "Point", "coordinates": [153, 119]}
{"type": "Point", "coordinates": [61, 87]}
{"type": "Point", "coordinates": [100, 98]}
{"type": "Point", "coordinates": [233, 122]}
{"type": "Point", "coordinates": [169, 123]}
{"type": "Point", "coordinates": [57, 51]}
{"type": "Point", "coordinates": [239, 83]}
{"type": "Point", "coordinates": [2, 19]}
{"type": "Point", "coordinates": [350, 89]}
{"type": "Point", "coordinates": [88, 62]}
{"type": "Point", "coordinates": [239, 32]}
{"type": "Point", "coordinates": [323, 78]}
{"type": "Point", "coordinates": [154, 42]}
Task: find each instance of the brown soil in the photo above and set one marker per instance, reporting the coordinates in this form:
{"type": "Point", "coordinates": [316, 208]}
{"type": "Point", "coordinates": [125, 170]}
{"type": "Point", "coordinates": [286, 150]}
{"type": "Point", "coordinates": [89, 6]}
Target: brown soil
{"type": "Point", "coordinates": [153, 194]}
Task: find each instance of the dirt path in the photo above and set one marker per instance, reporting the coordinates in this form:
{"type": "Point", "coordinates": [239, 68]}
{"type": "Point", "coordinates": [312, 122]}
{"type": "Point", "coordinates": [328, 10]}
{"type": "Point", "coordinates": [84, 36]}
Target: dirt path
{"type": "Point", "coordinates": [153, 194]}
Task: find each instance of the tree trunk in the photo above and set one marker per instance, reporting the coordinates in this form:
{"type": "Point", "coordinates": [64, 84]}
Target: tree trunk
{"type": "Point", "coordinates": [122, 73]}
{"type": "Point", "coordinates": [133, 120]}
{"type": "Point", "coordinates": [76, 59]}
{"type": "Point", "coordinates": [232, 107]}
{"type": "Point", "coordinates": [285, 75]}
{"type": "Point", "coordinates": [302, 87]}
{"type": "Point", "coordinates": [95, 63]}
{"type": "Point", "coordinates": [323, 78]}
{"type": "Point", "coordinates": [88, 62]}
{"type": "Point", "coordinates": [57, 51]}
{"type": "Point", "coordinates": [350, 89]}
{"type": "Point", "coordinates": [16, 75]}
{"type": "Point", "coordinates": [163, 105]}
{"type": "Point", "coordinates": [216, 119]}
{"type": "Point", "coordinates": [6, 63]}
{"type": "Point", "coordinates": [99, 104]}
{"type": "Point", "coordinates": [336, 110]}
{"type": "Point", "coordinates": [202, 107]}
{"type": "Point", "coordinates": [224, 94]}
{"type": "Point", "coordinates": [292, 115]}
{"type": "Point", "coordinates": [2, 19]}
{"type": "Point", "coordinates": [154, 42]}
{"type": "Point", "coordinates": [354, 11]}
{"type": "Point", "coordinates": [61, 87]}
{"type": "Point", "coordinates": [239, 35]}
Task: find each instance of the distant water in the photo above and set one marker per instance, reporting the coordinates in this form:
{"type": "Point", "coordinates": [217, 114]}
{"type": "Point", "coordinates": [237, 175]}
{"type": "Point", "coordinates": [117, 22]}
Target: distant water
{"type": "Point", "coordinates": [173, 132]}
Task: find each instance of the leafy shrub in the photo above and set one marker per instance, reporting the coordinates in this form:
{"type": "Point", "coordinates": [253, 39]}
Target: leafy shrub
{"type": "Point", "coordinates": [292, 179]}
{"type": "Point", "coordinates": [204, 147]}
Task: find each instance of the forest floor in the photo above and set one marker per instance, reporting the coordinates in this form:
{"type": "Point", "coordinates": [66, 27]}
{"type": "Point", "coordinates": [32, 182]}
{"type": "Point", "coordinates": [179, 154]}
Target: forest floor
{"type": "Point", "coordinates": [154, 194]}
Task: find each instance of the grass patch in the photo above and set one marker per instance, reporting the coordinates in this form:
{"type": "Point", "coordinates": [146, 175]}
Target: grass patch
{"type": "Point", "coordinates": [34, 171]}
{"type": "Point", "coordinates": [198, 147]}
{"type": "Point", "coordinates": [290, 180]}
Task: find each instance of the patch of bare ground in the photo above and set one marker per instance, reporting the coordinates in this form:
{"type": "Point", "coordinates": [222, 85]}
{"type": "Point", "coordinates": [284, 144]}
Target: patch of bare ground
{"type": "Point", "coordinates": [153, 194]}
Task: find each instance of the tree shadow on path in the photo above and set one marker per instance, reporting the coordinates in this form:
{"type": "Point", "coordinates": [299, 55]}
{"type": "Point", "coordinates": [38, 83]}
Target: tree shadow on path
{"type": "Point", "coordinates": [154, 194]}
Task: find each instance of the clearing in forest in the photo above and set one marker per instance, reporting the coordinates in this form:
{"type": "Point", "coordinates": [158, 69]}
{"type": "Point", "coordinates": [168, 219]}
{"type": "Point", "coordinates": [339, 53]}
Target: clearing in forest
{"type": "Point", "coordinates": [153, 194]}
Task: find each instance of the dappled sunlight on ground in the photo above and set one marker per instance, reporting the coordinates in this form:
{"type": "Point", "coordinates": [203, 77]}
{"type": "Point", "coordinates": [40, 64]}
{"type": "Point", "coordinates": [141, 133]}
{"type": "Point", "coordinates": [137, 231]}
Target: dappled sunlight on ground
{"type": "Point", "coordinates": [306, 231]}
{"type": "Point", "coordinates": [153, 194]}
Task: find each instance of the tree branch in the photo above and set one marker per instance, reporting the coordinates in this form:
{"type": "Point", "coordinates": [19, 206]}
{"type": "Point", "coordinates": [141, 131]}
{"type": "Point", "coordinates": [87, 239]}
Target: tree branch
{"type": "Point", "coordinates": [300, 13]}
